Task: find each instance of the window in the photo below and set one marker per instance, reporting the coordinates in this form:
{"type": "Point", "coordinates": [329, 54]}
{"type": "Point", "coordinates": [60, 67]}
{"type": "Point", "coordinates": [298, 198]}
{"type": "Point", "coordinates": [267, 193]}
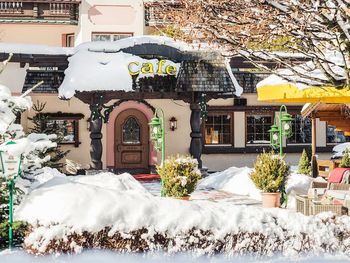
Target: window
{"type": "Point", "coordinates": [301, 128]}
{"type": "Point", "coordinates": [66, 129]}
{"type": "Point", "coordinates": [67, 125]}
{"type": "Point", "coordinates": [258, 127]}
{"type": "Point", "coordinates": [218, 129]}
{"type": "Point", "coordinates": [131, 131]}
{"type": "Point", "coordinates": [109, 36]}
{"type": "Point", "coordinates": [68, 40]}
{"type": "Point", "coordinates": [334, 136]}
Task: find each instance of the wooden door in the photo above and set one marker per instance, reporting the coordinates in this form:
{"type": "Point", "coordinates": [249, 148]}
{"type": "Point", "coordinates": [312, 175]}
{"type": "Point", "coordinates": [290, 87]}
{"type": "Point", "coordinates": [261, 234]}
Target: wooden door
{"type": "Point", "coordinates": [131, 140]}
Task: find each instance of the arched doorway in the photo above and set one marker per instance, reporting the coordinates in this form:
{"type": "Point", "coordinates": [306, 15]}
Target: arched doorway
{"type": "Point", "coordinates": [131, 141]}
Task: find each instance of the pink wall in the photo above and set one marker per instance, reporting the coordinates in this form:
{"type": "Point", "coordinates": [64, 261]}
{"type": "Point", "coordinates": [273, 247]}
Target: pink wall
{"type": "Point", "coordinates": [110, 130]}
{"type": "Point", "coordinates": [111, 15]}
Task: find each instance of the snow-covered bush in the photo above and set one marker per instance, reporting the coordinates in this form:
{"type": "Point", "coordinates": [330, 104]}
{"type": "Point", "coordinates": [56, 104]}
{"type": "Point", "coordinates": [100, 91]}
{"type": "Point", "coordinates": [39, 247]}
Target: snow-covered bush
{"type": "Point", "coordinates": [304, 166]}
{"type": "Point", "coordinates": [270, 173]}
{"type": "Point", "coordinates": [179, 175]}
{"type": "Point", "coordinates": [345, 161]}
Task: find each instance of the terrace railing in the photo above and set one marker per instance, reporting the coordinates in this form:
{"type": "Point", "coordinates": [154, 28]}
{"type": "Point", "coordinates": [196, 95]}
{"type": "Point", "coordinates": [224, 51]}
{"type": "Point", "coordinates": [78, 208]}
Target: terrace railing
{"type": "Point", "coordinates": [53, 11]}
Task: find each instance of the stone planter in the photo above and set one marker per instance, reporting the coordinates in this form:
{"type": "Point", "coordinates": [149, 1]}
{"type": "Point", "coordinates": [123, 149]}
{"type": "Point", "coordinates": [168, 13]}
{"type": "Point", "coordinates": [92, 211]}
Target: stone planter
{"type": "Point", "coordinates": [271, 199]}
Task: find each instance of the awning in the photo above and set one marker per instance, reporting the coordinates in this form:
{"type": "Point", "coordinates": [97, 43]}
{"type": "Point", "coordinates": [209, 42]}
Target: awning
{"type": "Point", "coordinates": [290, 93]}
{"type": "Point", "coordinates": [337, 115]}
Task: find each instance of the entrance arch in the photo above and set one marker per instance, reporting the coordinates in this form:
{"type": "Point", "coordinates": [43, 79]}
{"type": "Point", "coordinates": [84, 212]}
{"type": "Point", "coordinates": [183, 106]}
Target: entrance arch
{"type": "Point", "coordinates": [110, 140]}
{"type": "Point", "coordinates": [131, 140]}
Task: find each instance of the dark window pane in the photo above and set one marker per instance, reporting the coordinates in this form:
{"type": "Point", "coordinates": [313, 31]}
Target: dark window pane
{"type": "Point", "coordinates": [131, 131]}
{"type": "Point", "coordinates": [258, 127]}
{"type": "Point", "coordinates": [301, 130]}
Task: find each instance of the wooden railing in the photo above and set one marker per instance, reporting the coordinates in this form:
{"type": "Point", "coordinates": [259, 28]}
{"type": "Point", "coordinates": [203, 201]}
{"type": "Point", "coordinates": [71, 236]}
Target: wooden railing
{"type": "Point", "coordinates": [11, 7]}
{"type": "Point", "coordinates": [49, 10]}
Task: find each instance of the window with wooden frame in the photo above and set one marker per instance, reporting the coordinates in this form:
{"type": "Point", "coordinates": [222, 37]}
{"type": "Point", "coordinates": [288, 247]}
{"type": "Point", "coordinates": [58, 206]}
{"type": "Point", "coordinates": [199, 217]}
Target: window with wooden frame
{"type": "Point", "coordinates": [68, 40]}
{"type": "Point", "coordinates": [335, 136]}
{"type": "Point", "coordinates": [301, 129]}
{"type": "Point", "coordinates": [257, 128]}
{"type": "Point", "coordinates": [67, 125]}
{"type": "Point", "coordinates": [218, 129]}
{"type": "Point", "coordinates": [109, 37]}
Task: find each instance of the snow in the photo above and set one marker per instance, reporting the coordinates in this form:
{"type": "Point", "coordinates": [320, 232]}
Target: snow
{"type": "Point", "coordinates": [66, 205]}
{"type": "Point", "coordinates": [92, 256]}
{"type": "Point", "coordinates": [16, 48]}
{"type": "Point", "coordinates": [308, 74]}
{"type": "Point", "coordinates": [234, 180]}
{"type": "Point", "coordinates": [89, 71]}
{"type": "Point", "coordinates": [7, 103]}
{"type": "Point", "coordinates": [297, 184]}
{"type": "Point", "coordinates": [340, 148]}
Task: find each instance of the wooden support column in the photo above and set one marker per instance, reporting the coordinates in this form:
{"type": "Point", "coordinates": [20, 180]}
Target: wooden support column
{"type": "Point", "coordinates": [313, 147]}
{"type": "Point", "coordinates": [96, 139]}
{"type": "Point", "coordinates": [196, 134]}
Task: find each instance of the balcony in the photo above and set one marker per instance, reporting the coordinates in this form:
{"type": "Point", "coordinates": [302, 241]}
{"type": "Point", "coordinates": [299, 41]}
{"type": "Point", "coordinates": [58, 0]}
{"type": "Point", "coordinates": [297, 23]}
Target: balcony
{"type": "Point", "coordinates": [154, 11]}
{"type": "Point", "coordinates": [58, 12]}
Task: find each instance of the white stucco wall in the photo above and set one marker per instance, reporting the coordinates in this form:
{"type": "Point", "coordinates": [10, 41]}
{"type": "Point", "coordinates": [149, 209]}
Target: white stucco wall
{"type": "Point", "coordinates": [110, 23]}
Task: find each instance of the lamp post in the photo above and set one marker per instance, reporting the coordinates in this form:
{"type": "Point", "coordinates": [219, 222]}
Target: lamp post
{"type": "Point", "coordinates": [157, 133]}
{"type": "Point", "coordinates": [282, 129]}
{"type": "Point", "coordinates": [10, 167]}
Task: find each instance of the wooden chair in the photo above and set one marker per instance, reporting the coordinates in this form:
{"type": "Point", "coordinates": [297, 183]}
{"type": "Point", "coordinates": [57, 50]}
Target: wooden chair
{"type": "Point", "coordinates": [326, 166]}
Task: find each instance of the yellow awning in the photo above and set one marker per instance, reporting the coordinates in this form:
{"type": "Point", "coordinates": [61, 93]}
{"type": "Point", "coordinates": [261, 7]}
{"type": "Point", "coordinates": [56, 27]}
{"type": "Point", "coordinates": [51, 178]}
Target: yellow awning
{"type": "Point", "coordinates": [285, 93]}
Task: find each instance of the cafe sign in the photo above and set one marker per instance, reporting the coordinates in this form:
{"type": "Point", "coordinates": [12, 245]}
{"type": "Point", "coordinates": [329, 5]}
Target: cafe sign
{"type": "Point", "coordinates": [10, 164]}
{"type": "Point", "coordinates": [153, 67]}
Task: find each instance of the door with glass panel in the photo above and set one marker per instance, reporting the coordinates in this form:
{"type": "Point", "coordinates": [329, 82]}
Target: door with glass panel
{"type": "Point", "coordinates": [131, 140]}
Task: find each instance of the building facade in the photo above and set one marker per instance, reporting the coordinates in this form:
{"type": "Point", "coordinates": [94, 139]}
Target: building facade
{"type": "Point", "coordinates": [232, 127]}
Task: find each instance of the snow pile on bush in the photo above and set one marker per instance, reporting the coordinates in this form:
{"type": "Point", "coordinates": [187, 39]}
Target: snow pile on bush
{"type": "Point", "coordinates": [339, 149]}
{"type": "Point", "coordinates": [116, 212]}
{"type": "Point", "coordinates": [234, 180]}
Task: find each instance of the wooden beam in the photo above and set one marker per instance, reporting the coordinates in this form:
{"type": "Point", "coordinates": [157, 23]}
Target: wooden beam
{"type": "Point", "coordinates": [335, 118]}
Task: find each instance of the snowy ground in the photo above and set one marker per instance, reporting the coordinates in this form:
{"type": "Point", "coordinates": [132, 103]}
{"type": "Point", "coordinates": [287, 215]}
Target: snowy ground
{"type": "Point", "coordinates": [224, 206]}
{"type": "Point", "coordinates": [109, 257]}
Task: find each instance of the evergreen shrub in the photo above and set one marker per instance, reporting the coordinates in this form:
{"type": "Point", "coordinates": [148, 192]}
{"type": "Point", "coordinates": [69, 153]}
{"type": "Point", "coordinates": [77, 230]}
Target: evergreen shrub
{"type": "Point", "coordinates": [270, 173]}
{"type": "Point", "coordinates": [304, 166]}
{"type": "Point", "coordinates": [345, 161]}
{"type": "Point", "coordinates": [179, 175]}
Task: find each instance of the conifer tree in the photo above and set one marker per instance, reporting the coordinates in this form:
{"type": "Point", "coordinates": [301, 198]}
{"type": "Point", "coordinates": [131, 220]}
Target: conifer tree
{"type": "Point", "coordinates": [345, 161]}
{"type": "Point", "coordinates": [304, 164]}
{"type": "Point", "coordinates": [40, 120]}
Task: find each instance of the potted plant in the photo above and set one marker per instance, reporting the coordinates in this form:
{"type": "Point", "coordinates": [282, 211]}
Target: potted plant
{"type": "Point", "coordinates": [269, 175]}
{"type": "Point", "coordinates": [179, 176]}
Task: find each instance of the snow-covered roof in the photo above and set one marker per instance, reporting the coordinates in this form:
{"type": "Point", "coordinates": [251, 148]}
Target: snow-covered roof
{"type": "Point", "coordinates": [34, 49]}
{"type": "Point", "coordinates": [98, 46]}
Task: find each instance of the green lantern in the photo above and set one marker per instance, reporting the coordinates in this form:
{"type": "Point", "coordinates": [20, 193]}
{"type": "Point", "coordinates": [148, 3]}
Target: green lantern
{"type": "Point", "coordinates": [284, 128]}
{"type": "Point", "coordinates": [157, 132]}
{"type": "Point", "coordinates": [287, 124]}
{"type": "Point", "coordinates": [10, 168]}
{"type": "Point", "coordinates": [274, 136]}
{"type": "Point", "coordinates": [155, 128]}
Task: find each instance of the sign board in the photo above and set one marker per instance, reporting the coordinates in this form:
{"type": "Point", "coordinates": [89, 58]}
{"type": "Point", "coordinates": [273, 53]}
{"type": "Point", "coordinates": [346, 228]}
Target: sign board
{"type": "Point", "coordinates": [155, 67]}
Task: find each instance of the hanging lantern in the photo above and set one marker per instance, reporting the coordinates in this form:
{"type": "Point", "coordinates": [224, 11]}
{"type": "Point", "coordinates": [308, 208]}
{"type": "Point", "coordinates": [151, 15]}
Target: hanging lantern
{"type": "Point", "coordinates": [274, 136]}
{"type": "Point", "coordinates": [173, 123]}
{"type": "Point", "coordinates": [286, 121]}
{"type": "Point", "coordinates": [155, 128]}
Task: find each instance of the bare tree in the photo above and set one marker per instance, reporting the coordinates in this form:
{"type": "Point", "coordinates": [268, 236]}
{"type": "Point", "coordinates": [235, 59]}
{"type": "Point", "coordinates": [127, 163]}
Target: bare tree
{"type": "Point", "coordinates": [316, 30]}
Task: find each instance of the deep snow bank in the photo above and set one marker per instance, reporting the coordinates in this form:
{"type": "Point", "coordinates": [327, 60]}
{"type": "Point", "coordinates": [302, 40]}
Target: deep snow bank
{"type": "Point", "coordinates": [234, 180]}
{"type": "Point", "coordinates": [116, 212]}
